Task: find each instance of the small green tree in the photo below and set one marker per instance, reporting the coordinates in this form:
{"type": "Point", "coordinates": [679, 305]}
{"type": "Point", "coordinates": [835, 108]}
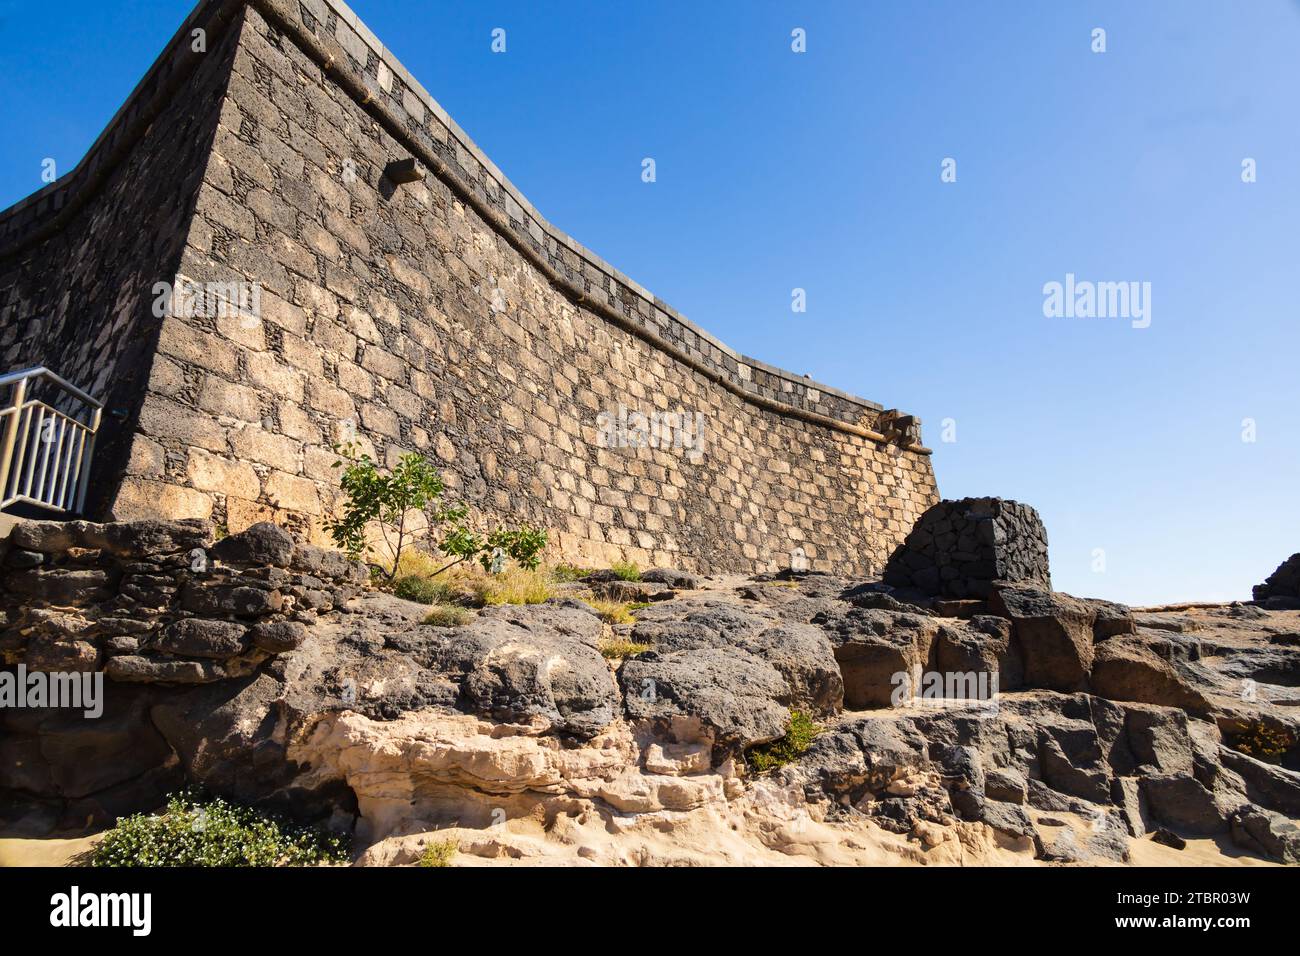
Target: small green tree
{"type": "Point", "coordinates": [524, 544]}
{"type": "Point", "coordinates": [460, 544]}
{"type": "Point", "coordinates": [413, 485]}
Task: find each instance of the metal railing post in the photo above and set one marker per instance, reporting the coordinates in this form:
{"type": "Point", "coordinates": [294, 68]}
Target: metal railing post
{"type": "Point", "coordinates": [87, 461]}
{"type": "Point", "coordinates": [11, 434]}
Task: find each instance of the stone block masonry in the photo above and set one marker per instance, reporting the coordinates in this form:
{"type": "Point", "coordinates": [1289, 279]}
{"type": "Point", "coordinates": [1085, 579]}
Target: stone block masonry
{"type": "Point", "coordinates": [442, 315]}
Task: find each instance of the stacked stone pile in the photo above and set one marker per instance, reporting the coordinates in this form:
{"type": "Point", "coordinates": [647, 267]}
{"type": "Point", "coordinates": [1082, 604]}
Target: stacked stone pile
{"type": "Point", "coordinates": [959, 548]}
{"type": "Point", "coordinates": [1282, 587]}
{"type": "Point", "coordinates": [160, 601]}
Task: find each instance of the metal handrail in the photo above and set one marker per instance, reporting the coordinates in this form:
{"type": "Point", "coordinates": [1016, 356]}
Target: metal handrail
{"type": "Point", "coordinates": [49, 464]}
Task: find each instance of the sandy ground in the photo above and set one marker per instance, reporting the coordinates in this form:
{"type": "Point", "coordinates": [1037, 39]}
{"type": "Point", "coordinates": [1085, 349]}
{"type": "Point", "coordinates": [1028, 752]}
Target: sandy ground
{"type": "Point", "coordinates": [49, 851]}
{"type": "Point", "coordinates": [1218, 852]}
{"type": "Point", "coordinates": [1203, 851]}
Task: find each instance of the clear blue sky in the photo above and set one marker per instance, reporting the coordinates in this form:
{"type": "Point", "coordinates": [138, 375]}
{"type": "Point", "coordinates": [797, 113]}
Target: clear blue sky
{"type": "Point", "coordinates": [821, 170]}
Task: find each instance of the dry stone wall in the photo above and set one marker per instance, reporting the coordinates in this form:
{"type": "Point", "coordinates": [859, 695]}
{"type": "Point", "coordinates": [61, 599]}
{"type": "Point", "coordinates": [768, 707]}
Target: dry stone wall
{"type": "Point", "coordinates": [1282, 587]}
{"type": "Point", "coordinates": [446, 316]}
{"type": "Point", "coordinates": [960, 548]}
{"type": "Point", "coordinates": [161, 601]}
{"type": "Point", "coordinates": [146, 630]}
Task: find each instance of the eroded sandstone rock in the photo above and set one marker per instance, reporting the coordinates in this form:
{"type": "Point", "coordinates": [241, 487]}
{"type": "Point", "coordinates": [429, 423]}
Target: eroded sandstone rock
{"type": "Point", "coordinates": [681, 580]}
{"type": "Point", "coordinates": [1132, 668]}
{"type": "Point", "coordinates": [735, 672]}
{"type": "Point", "coordinates": [878, 652]}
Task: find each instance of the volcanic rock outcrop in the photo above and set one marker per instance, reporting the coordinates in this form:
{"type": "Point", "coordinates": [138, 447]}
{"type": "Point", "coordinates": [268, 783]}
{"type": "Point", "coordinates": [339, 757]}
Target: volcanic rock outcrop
{"type": "Point", "coordinates": [1036, 727]}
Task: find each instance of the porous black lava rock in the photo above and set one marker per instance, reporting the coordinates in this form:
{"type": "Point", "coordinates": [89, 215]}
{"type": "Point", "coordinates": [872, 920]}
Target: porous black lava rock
{"type": "Point", "coordinates": [1283, 584]}
{"type": "Point", "coordinates": [959, 548]}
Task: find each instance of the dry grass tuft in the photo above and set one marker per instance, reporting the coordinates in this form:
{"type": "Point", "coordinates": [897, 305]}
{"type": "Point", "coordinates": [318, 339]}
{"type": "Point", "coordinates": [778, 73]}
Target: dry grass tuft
{"type": "Point", "coordinates": [618, 647]}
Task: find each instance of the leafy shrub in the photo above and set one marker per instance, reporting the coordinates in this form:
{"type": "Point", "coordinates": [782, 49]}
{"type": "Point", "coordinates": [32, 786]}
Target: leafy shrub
{"type": "Point", "coordinates": [447, 615]}
{"type": "Point", "coordinates": [1265, 743]}
{"type": "Point", "coordinates": [626, 570]}
{"type": "Point", "coordinates": [461, 544]}
{"type": "Point", "coordinates": [524, 544]}
{"type": "Point", "coordinates": [799, 735]}
{"type": "Point", "coordinates": [439, 853]}
{"type": "Point", "coordinates": [193, 831]}
{"type": "Point", "coordinates": [414, 485]}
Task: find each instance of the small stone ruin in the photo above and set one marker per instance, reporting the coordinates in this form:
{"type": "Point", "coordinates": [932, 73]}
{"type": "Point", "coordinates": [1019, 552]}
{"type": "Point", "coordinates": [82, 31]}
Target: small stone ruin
{"type": "Point", "coordinates": [1281, 589]}
{"type": "Point", "coordinates": [959, 548]}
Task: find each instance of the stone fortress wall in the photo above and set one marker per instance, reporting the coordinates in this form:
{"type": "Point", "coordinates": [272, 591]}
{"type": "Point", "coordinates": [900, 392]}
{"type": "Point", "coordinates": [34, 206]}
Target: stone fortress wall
{"type": "Point", "coordinates": [79, 257]}
{"type": "Point", "coordinates": [442, 315]}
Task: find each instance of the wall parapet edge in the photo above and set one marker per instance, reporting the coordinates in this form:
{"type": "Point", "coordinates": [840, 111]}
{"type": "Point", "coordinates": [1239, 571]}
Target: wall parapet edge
{"type": "Point", "coordinates": [42, 213]}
